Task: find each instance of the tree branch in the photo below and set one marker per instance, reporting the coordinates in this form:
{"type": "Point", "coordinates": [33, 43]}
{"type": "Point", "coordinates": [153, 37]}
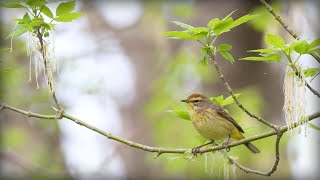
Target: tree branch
{"type": "Point", "coordinates": [150, 148]}
{"type": "Point", "coordinates": [159, 150]}
{"type": "Point", "coordinates": [285, 26]}
{"type": "Point", "coordinates": [226, 84]}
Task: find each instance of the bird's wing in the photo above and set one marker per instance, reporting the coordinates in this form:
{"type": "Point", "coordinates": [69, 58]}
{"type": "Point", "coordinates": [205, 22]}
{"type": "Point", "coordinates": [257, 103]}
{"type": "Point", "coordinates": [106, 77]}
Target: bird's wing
{"type": "Point", "coordinates": [221, 112]}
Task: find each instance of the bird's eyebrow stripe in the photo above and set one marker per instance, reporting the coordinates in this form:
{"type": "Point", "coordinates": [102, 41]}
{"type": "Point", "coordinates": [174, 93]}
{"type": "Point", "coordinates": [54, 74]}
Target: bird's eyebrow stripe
{"type": "Point", "coordinates": [195, 99]}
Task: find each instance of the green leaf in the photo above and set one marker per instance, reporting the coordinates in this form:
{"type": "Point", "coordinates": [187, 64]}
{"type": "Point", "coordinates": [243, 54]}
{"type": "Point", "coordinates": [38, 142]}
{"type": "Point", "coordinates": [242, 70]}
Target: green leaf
{"type": "Point", "coordinates": [26, 18]}
{"type": "Point", "coordinates": [314, 126]}
{"type": "Point", "coordinates": [193, 33]}
{"type": "Point", "coordinates": [227, 56]}
{"type": "Point", "coordinates": [229, 100]}
{"type": "Point", "coordinates": [206, 50]}
{"type": "Point", "coordinates": [52, 26]}
{"type": "Point", "coordinates": [302, 48]}
{"type": "Point", "coordinates": [21, 29]}
{"type": "Point", "coordinates": [47, 26]}
{"type": "Point", "coordinates": [65, 8]}
{"type": "Point", "coordinates": [35, 23]}
{"type": "Point", "coordinates": [317, 50]}
{"type": "Point", "coordinates": [204, 61]}
{"type": "Point", "coordinates": [182, 114]}
{"type": "Point", "coordinates": [19, 21]}
{"type": "Point", "coordinates": [296, 43]}
{"type": "Point", "coordinates": [178, 35]}
{"type": "Point", "coordinates": [68, 17]}
{"type": "Point", "coordinates": [5, 5]}
{"type": "Point", "coordinates": [182, 25]}
{"type": "Point", "coordinates": [199, 35]}
{"type": "Point", "coordinates": [242, 20]}
{"type": "Point", "coordinates": [46, 11]}
{"type": "Point", "coordinates": [46, 34]}
{"type": "Point", "coordinates": [224, 47]}
{"type": "Point", "coordinates": [274, 40]}
{"type": "Point", "coordinates": [315, 43]}
{"type": "Point", "coordinates": [310, 72]}
{"type": "Point", "coordinates": [197, 30]}
{"type": "Point", "coordinates": [222, 26]}
{"type": "Point", "coordinates": [38, 3]}
{"type": "Point", "coordinates": [218, 99]}
{"type": "Point", "coordinates": [270, 57]}
{"type": "Point", "coordinates": [289, 48]}
{"type": "Point", "coordinates": [229, 15]}
{"type": "Point", "coordinates": [213, 22]}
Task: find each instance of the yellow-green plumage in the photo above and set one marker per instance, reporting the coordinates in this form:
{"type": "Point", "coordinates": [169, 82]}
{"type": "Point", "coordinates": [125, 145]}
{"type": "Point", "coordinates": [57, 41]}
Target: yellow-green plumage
{"type": "Point", "coordinates": [213, 122]}
{"type": "Point", "coordinates": [212, 126]}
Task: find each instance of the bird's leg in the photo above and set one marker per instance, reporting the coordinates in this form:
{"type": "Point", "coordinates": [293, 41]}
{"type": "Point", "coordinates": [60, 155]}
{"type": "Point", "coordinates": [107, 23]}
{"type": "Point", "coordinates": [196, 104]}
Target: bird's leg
{"type": "Point", "coordinates": [225, 144]}
{"type": "Point", "coordinates": [195, 149]}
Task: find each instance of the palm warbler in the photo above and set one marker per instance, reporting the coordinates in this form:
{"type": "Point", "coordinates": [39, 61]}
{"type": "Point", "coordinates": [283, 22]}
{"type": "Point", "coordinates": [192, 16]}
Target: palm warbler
{"type": "Point", "coordinates": [213, 122]}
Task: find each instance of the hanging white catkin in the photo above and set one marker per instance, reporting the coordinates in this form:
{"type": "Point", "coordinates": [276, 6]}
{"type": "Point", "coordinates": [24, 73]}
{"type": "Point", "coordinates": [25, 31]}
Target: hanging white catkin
{"type": "Point", "coordinates": [294, 99]}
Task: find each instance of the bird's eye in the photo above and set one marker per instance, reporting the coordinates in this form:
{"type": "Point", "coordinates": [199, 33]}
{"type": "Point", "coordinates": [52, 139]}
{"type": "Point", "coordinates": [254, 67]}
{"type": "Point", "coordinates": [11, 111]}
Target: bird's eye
{"type": "Point", "coordinates": [196, 101]}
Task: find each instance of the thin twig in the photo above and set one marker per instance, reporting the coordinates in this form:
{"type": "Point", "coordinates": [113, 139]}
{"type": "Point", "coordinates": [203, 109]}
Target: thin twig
{"type": "Point", "coordinates": [279, 19]}
{"type": "Point", "coordinates": [226, 84]}
{"type": "Point", "coordinates": [295, 69]}
{"type": "Point", "coordinates": [42, 51]}
{"type": "Point", "coordinates": [285, 26]}
{"type": "Point", "coordinates": [28, 113]}
{"type": "Point", "coordinates": [158, 149]}
{"type": "Point", "coordinates": [55, 99]}
{"type": "Point", "coordinates": [312, 90]}
{"type": "Point", "coordinates": [248, 170]}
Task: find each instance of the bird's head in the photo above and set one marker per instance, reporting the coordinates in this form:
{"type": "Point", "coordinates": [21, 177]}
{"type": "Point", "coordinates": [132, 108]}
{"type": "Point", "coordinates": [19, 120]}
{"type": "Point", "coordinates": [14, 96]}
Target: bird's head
{"type": "Point", "coordinates": [197, 101]}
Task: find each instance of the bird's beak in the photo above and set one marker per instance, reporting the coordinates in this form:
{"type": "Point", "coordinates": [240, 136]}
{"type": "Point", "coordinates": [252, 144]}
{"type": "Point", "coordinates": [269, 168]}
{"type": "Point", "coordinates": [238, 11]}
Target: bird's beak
{"type": "Point", "coordinates": [184, 100]}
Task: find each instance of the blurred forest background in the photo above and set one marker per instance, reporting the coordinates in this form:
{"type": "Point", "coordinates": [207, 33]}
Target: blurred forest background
{"type": "Point", "coordinates": [119, 73]}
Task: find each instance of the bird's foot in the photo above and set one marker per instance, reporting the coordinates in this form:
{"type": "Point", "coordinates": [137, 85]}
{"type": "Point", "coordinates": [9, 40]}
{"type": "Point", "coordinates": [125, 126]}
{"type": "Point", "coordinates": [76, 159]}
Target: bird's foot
{"type": "Point", "coordinates": [195, 151]}
{"type": "Point", "coordinates": [225, 145]}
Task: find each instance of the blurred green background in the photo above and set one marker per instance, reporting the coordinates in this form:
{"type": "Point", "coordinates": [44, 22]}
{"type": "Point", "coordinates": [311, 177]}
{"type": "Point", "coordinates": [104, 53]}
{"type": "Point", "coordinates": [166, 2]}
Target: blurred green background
{"type": "Point", "coordinates": [156, 73]}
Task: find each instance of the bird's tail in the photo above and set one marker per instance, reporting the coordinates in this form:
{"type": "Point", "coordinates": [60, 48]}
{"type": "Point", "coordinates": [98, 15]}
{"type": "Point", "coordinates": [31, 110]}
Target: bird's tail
{"type": "Point", "coordinates": [252, 148]}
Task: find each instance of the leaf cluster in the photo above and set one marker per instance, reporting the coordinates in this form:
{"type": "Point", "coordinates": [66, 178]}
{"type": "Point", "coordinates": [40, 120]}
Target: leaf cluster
{"type": "Point", "coordinates": [207, 35]}
{"type": "Point", "coordinates": [278, 48]}
{"type": "Point", "coordinates": [33, 20]}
